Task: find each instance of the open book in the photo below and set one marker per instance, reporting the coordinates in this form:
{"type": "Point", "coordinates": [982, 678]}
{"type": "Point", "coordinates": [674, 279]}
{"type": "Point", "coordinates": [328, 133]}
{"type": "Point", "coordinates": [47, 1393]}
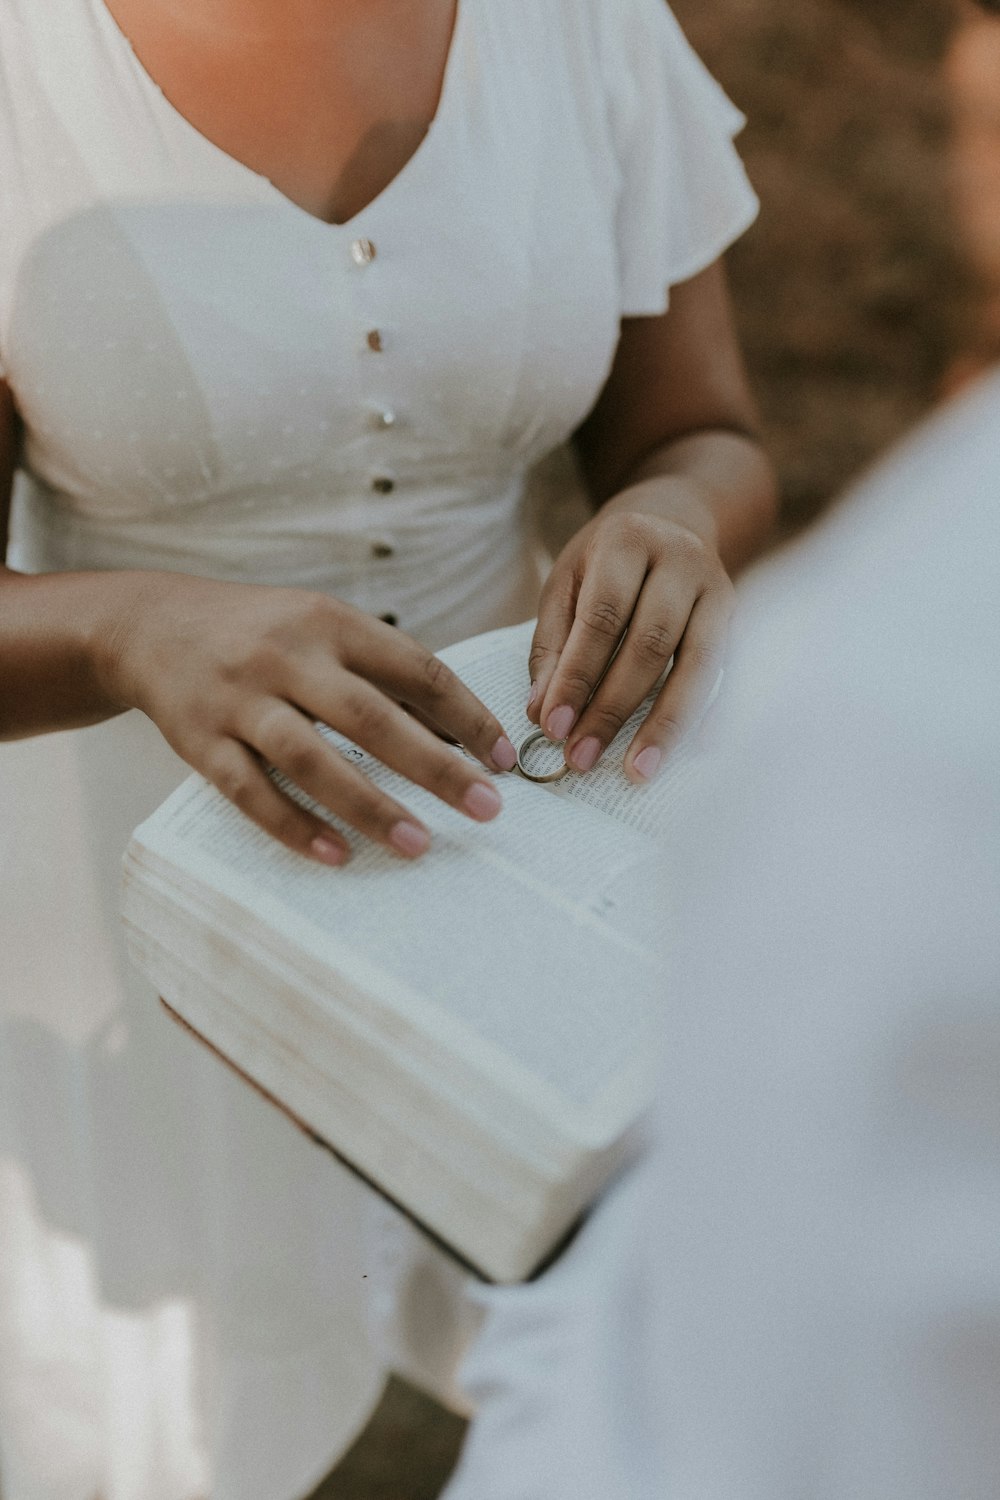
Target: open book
{"type": "Point", "coordinates": [469, 1032]}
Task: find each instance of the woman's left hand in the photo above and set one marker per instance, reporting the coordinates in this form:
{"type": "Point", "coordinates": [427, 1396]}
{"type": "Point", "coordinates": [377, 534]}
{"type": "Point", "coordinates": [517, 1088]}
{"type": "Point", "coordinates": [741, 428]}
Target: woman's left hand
{"type": "Point", "coordinates": [642, 579]}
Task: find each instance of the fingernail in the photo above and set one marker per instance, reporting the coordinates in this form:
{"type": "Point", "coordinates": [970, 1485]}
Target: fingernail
{"type": "Point", "coordinates": [532, 695]}
{"type": "Point", "coordinates": [327, 851]}
{"type": "Point", "coordinates": [647, 762]}
{"type": "Point", "coordinates": [482, 801]}
{"type": "Point", "coordinates": [559, 722]}
{"type": "Point", "coordinates": [409, 839]}
{"type": "Point", "coordinates": [503, 755]}
{"type": "Point", "coordinates": [583, 755]}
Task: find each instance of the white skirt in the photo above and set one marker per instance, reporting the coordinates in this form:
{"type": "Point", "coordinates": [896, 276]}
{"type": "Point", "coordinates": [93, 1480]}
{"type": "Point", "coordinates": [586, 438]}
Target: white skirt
{"type": "Point", "coordinates": [182, 1273]}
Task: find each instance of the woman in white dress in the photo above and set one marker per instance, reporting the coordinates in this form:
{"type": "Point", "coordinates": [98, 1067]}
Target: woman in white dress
{"type": "Point", "coordinates": [292, 298]}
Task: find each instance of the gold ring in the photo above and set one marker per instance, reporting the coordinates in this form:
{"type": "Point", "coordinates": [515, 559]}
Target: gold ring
{"type": "Point", "coordinates": [525, 745]}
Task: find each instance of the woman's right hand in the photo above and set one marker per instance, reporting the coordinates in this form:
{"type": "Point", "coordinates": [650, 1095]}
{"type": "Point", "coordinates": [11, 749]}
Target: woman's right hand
{"type": "Point", "coordinates": [234, 676]}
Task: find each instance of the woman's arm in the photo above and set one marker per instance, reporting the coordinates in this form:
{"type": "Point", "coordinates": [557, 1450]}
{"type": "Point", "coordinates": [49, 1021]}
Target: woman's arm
{"type": "Point", "coordinates": [677, 404]}
{"type": "Point", "coordinates": [686, 496]}
{"type": "Point", "coordinates": [234, 676]}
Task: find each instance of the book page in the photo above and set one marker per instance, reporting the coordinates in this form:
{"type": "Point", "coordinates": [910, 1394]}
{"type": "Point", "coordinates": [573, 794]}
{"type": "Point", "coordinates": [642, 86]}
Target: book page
{"type": "Point", "coordinates": [533, 930]}
{"type": "Point", "coordinates": [495, 667]}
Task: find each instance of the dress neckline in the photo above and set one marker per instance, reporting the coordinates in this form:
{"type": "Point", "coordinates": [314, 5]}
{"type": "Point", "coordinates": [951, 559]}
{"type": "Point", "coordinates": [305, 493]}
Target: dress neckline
{"type": "Point", "coordinates": [120, 41]}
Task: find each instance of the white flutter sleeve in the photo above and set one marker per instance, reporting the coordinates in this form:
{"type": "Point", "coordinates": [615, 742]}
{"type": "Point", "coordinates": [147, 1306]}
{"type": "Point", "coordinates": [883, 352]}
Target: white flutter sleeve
{"type": "Point", "coordinates": [684, 196]}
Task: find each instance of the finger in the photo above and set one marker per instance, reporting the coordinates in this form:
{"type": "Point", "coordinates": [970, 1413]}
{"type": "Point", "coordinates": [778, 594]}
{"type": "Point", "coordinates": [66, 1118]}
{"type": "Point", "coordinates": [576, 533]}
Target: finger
{"type": "Point", "coordinates": [661, 613]}
{"type": "Point", "coordinates": [412, 675]}
{"type": "Point", "coordinates": [688, 690]}
{"type": "Point", "coordinates": [377, 724]}
{"type": "Point", "coordinates": [286, 740]}
{"type": "Point", "coordinates": [429, 723]}
{"type": "Point", "coordinates": [607, 597]}
{"type": "Point", "coordinates": [556, 611]}
{"type": "Point", "coordinates": [241, 778]}
{"type": "Point", "coordinates": [390, 734]}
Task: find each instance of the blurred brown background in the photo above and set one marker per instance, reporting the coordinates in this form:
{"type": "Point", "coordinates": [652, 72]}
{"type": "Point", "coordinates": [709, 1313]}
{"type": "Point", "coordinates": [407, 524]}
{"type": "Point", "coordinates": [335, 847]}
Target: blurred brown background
{"type": "Point", "coordinates": [868, 291]}
{"type": "Point", "coordinates": [874, 143]}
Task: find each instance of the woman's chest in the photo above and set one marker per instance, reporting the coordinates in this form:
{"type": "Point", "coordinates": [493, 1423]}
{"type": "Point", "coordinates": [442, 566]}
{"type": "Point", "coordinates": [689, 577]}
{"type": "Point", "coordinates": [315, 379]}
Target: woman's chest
{"type": "Point", "coordinates": [192, 334]}
{"type": "Point", "coordinates": [328, 103]}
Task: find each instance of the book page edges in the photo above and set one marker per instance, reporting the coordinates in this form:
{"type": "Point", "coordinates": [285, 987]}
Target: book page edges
{"type": "Point", "coordinates": [501, 1164]}
{"type": "Point", "coordinates": [341, 976]}
{"type": "Point", "coordinates": [447, 1156]}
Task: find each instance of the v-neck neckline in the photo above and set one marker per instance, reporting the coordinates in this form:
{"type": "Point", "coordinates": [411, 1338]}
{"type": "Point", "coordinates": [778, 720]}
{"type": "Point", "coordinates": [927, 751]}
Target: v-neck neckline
{"type": "Point", "coordinates": [120, 40]}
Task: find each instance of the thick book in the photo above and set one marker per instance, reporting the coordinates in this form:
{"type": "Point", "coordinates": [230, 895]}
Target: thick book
{"type": "Point", "coordinates": [470, 1032]}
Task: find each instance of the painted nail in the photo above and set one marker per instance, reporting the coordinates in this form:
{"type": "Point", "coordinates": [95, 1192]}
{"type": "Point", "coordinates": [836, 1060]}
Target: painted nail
{"type": "Point", "coordinates": [409, 839]}
{"type": "Point", "coordinates": [327, 851]}
{"type": "Point", "coordinates": [482, 801]}
{"type": "Point", "coordinates": [583, 755]}
{"type": "Point", "coordinates": [559, 722]}
{"type": "Point", "coordinates": [503, 754]}
{"type": "Point", "coordinates": [647, 762]}
{"type": "Point", "coordinates": [532, 695]}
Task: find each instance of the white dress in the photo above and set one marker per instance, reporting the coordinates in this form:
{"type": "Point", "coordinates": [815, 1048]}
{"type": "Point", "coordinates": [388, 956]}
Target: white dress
{"type": "Point", "coordinates": [182, 1276]}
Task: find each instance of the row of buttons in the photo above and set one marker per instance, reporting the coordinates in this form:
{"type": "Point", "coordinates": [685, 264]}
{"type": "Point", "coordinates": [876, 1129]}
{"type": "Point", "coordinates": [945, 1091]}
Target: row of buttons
{"type": "Point", "coordinates": [363, 252]}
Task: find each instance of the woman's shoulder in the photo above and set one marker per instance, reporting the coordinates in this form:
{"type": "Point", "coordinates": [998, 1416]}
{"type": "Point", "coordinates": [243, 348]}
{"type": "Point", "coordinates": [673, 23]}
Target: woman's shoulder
{"type": "Point", "coordinates": [626, 56]}
{"type": "Point", "coordinates": [613, 30]}
{"type": "Point", "coordinates": [665, 129]}
{"type": "Point", "coordinates": [631, 61]}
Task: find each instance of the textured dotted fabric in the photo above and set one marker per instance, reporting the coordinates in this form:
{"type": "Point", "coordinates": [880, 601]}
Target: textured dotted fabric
{"type": "Point", "coordinates": [212, 381]}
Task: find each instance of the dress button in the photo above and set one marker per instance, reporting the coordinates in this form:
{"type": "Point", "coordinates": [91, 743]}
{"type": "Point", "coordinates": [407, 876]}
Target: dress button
{"type": "Point", "coordinates": [382, 550]}
{"type": "Point", "coordinates": [390, 618]}
{"type": "Point", "coordinates": [383, 485]}
{"type": "Point", "coordinates": [363, 252]}
{"type": "Point", "coordinates": [373, 338]}
{"type": "Point", "coordinates": [385, 419]}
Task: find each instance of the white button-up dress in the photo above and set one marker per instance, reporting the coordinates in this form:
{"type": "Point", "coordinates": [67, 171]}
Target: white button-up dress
{"type": "Point", "coordinates": [213, 381]}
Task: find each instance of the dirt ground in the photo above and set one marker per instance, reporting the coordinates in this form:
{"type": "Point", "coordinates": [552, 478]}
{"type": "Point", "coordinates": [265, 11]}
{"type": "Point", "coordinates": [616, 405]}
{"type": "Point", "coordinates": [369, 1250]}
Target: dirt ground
{"type": "Point", "coordinates": [407, 1451]}
{"type": "Point", "coordinates": [868, 289]}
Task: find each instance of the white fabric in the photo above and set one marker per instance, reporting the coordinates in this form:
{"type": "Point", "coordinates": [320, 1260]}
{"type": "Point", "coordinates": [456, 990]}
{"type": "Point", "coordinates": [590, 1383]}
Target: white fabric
{"type": "Point", "coordinates": [182, 1277]}
{"type": "Point", "coordinates": [797, 1295]}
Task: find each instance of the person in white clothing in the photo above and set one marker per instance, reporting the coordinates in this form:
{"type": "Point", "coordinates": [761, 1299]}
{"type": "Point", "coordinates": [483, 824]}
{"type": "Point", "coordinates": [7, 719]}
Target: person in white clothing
{"type": "Point", "coordinates": [293, 298]}
{"type": "Point", "coordinates": [796, 1294]}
